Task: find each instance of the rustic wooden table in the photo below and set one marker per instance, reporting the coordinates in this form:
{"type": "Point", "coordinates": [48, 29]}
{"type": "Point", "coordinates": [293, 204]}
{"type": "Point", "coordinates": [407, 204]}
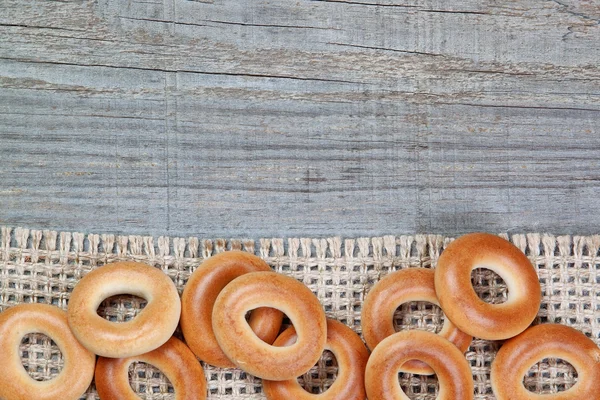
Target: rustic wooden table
{"type": "Point", "coordinates": [290, 118]}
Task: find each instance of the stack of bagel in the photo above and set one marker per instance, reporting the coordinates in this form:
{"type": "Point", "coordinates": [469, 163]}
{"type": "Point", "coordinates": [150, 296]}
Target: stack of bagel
{"type": "Point", "coordinates": [232, 312]}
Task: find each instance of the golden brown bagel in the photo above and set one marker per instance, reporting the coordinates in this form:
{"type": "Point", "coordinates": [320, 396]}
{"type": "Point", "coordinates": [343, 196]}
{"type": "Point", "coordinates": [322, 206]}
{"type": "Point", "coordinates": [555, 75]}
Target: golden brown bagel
{"type": "Point", "coordinates": [199, 297]}
{"type": "Point", "coordinates": [450, 365]}
{"type": "Point", "coordinates": [413, 284]}
{"type": "Point", "coordinates": [78, 370]}
{"type": "Point", "coordinates": [522, 352]}
{"type": "Point", "coordinates": [174, 359]}
{"type": "Point", "coordinates": [461, 304]}
{"type": "Point", "coordinates": [245, 349]}
{"type": "Point", "coordinates": [150, 329]}
{"type": "Point", "coordinates": [351, 355]}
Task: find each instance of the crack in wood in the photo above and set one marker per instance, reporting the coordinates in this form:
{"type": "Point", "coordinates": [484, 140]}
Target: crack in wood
{"type": "Point", "coordinates": [84, 115]}
{"type": "Point", "coordinates": [456, 12]}
{"type": "Point", "coordinates": [228, 23]}
{"type": "Point", "coordinates": [522, 107]}
{"type": "Point", "coordinates": [365, 4]}
{"type": "Point", "coordinates": [416, 8]}
{"type": "Point", "coordinates": [162, 21]}
{"type": "Point", "coordinates": [251, 75]}
{"type": "Point", "coordinates": [567, 9]}
{"type": "Point", "coordinates": [491, 72]}
{"type": "Point", "coordinates": [270, 25]}
{"type": "Point", "coordinates": [40, 27]}
{"type": "Point", "coordinates": [386, 49]}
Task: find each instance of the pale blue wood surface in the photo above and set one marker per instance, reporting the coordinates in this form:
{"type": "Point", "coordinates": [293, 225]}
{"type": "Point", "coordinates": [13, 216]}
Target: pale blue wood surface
{"type": "Point", "coordinates": [305, 118]}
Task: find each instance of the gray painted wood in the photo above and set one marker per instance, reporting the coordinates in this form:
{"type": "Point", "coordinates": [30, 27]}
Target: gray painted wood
{"type": "Point", "coordinates": [292, 118]}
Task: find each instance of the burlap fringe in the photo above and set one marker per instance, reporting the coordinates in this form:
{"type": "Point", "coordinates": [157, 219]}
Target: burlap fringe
{"type": "Point", "coordinates": [44, 266]}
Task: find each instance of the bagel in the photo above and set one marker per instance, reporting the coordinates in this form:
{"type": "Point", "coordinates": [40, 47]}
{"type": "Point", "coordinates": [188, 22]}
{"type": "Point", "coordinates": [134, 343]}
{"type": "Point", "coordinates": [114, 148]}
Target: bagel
{"type": "Point", "coordinates": [140, 335]}
{"type": "Point", "coordinates": [377, 317]}
{"type": "Point", "coordinates": [461, 304]}
{"type": "Point", "coordinates": [452, 369]}
{"type": "Point", "coordinates": [245, 349]}
{"type": "Point", "coordinates": [174, 359]}
{"type": "Point", "coordinates": [351, 355]}
{"type": "Point", "coordinates": [15, 383]}
{"type": "Point", "coordinates": [519, 354]}
{"type": "Point", "coordinates": [200, 294]}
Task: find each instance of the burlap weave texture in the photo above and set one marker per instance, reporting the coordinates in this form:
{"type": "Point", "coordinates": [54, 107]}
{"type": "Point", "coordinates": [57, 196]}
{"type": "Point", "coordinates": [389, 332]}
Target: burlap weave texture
{"type": "Point", "coordinates": [44, 266]}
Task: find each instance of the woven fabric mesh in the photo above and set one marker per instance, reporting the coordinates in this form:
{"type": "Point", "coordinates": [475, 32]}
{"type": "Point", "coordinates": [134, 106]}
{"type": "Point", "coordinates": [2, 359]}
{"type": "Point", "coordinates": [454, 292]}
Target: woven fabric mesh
{"type": "Point", "coordinates": [44, 267]}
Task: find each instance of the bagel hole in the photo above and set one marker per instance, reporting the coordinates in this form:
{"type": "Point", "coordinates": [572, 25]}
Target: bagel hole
{"type": "Point", "coordinates": [489, 286]}
{"type": "Point", "coordinates": [149, 382]}
{"type": "Point", "coordinates": [320, 377]}
{"type": "Point", "coordinates": [286, 323]}
{"type": "Point", "coordinates": [121, 307]}
{"type": "Point", "coordinates": [40, 356]}
{"type": "Point", "coordinates": [421, 315]}
{"type": "Point", "coordinates": [549, 376]}
{"type": "Point", "coordinates": [419, 387]}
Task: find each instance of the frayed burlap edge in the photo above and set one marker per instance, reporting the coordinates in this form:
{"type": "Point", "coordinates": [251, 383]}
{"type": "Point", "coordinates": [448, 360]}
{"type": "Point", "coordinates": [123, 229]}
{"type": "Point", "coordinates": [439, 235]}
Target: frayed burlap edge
{"type": "Point", "coordinates": [44, 266]}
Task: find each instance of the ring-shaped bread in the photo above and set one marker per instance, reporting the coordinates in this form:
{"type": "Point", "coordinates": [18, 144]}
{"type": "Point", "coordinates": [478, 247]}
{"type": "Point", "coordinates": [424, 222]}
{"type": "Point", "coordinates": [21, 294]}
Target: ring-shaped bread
{"type": "Point", "coordinates": [150, 329]}
{"type": "Point", "coordinates": [460, 302]}
{"type": "Point", "coordinates": [174, 359]}
{"type": "Point", "coordinates": [450, 365]}
{"type": "Point", "coordinates": [78, 368]}
{"type": "Point", "coordinates": [245, 349]}
{"type": "Point", "coordinates": [399, 287]}
{"type": "Point", "coordinates": [519, 354]}
{"type": "Point", "coordinates": [200, 294]}
{"type": "Point", "coordinates": [351, 356]}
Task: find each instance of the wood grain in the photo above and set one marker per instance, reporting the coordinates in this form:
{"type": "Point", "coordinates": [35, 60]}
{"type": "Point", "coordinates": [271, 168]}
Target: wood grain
{"type": "Point", "coordinates": [259, 118]}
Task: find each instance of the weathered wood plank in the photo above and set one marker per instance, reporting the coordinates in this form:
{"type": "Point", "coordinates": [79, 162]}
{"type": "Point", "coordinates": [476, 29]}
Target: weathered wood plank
{"type": "Point", "coordinates": [312, 118]}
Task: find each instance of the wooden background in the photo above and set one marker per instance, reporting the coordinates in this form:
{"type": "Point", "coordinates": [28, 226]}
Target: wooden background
{"type": "Point", "coordinates": [300, 117]}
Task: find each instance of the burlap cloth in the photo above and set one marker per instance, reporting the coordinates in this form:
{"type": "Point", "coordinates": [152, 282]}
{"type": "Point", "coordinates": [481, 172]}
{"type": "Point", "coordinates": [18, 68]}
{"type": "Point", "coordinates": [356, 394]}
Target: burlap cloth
{"type": "Point", "coordinates": [44, 266]}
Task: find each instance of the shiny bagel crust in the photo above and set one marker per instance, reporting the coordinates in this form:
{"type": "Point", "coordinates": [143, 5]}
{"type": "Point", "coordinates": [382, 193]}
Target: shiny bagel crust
{"type": "Point", "coordinates": [450, 365]}
{"type": "Point", "coordinates": [174, 359]}
{"type": "Point", "coordinates": [461, 304]}
{"type": "Point", "coordinates": [245, 349]}
{"type": "Point", "coordinates": [519, 354]}
{"type": "Point", "coordinates": [399, 287]}
{"type": "Point", "coordinates": [78, 368]}
{"type": "Point", "coordinates": [351, 356]}
{"type": "Point", "coordinates": [150, 329]}
{"type": "Point", "coordinates": [200, 294]}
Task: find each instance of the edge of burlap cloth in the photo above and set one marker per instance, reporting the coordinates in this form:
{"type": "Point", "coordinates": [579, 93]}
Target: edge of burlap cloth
{"type": "Point", "coordinates": [44, 266]}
